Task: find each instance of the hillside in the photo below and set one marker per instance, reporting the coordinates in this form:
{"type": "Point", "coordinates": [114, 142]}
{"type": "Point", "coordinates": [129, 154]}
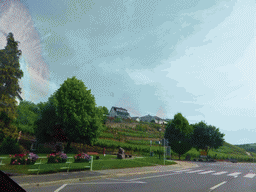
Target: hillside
{"type": "Point", "coordinates": [135, 138]}
{"type": "Point", "coordinates": [142, 133]}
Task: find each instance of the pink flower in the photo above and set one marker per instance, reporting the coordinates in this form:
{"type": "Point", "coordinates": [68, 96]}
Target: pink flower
{"type": "Point", "coordinates": [19, 163]}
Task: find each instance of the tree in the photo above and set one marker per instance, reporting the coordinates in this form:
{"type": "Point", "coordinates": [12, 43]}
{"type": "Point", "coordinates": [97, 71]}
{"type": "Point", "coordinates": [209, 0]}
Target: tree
{"type": "Point", "coordinates": [77, 112]}
{"type": "Point", "coordinates": [206, 136]}
{"type": "Point", "coordinates": [102, 113]}
{"type": "Point", "coordinates": [46, 121]}
{"type": "Point", "coordinates": [10, 73]}
{"type": "Point", "coordinates": [28, 113]}
{"type": "Point", "coordinates": [179, 134]}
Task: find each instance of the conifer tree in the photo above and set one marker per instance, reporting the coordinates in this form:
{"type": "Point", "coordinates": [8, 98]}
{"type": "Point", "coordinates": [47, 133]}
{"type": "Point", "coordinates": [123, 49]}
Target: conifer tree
{"type": "Point", "coordinates": [10, 73]}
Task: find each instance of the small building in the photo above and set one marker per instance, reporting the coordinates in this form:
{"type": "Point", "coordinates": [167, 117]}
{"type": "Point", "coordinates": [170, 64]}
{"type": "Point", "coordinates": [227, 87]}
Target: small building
{"type": "Point", "coordinates": [149, 118]}
{"type": "Point", "coordinates": [136, 119]}
{"type": "Point", "coordinates": [119, 112]}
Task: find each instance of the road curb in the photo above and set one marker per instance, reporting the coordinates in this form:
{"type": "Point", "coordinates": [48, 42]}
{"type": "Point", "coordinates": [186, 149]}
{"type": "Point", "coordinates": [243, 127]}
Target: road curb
{"type": "Point", "coordinates": [64, 181]}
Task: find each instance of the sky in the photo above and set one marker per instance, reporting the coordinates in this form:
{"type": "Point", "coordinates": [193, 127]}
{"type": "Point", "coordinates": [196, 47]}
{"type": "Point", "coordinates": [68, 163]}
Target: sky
{"type": "Point", "coordinates": [161, 58]}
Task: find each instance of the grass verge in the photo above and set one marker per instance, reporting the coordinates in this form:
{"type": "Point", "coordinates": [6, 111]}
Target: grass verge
{"type": "Point", "coordinates": [105, 162]}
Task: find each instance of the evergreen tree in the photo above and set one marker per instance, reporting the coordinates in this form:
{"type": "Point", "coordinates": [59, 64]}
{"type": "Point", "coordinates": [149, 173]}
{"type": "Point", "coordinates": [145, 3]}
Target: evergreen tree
{"type": "Point", "coordinates": [10, 73]}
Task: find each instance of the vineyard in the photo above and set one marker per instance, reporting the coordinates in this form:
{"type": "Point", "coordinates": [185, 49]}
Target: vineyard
{"type": "Point", "coordinates": [135, 139]}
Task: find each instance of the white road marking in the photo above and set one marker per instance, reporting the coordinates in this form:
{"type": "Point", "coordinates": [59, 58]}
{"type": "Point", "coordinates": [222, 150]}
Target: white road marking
{"type": "Point", "coordinates": [104, 183]}
{"type": "Point", "coordinates": [250, 175]}
{"type": "Point", "coordinates": [194, 171]}
{"type": "Point", "coordinates": [153, 176]}
{"type": "Point", "coordinates": [182, 170]}
{"type": "Point", "coordinates": [214, 187]}
{"type": "Point", "coordinates": [57, 190]}
{"type": "Point", "coordinates": [206, 172]}
{"type": "Point", "coordinates": [234, 174]}
{"type": "Point", "coordinates": [219, 173]}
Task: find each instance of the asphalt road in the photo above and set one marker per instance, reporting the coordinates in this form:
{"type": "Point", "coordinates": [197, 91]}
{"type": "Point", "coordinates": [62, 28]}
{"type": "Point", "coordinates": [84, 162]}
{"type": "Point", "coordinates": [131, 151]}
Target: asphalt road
{"type": "Point", "coordinates": [224, 176]}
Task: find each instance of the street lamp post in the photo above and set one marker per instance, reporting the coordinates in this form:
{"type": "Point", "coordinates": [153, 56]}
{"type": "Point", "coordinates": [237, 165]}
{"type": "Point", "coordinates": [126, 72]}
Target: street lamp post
{"type": "Point", "coordinates": [159, 140]}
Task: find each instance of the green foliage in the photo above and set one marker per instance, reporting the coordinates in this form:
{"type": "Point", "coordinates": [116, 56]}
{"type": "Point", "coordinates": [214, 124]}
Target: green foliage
{"type": "Point", "coordinates": [28, 113]}
{"type": "Point", "coordinates": [43, 149]}
{"type": "Point", "coordinates": [179, 134]}
{"type": "Point", "coordinates": [118, 120]}
{"type": "Point", "coordinates": [77, 112]}
{"type": "Point", "coordinates": [45, 122]}
{"type": "Point", "coordinates": [7, 127]}
{"type": "Point", "coordinates": [9, 146]}
{"type": "Point", "coordinates": [206, 136]}
{"type": "Point", "coordinates": [141, 127]}
{"type": "Point", "coordinates": [10, 73]}
{"type": "Point", "coordinates": [102, 113]}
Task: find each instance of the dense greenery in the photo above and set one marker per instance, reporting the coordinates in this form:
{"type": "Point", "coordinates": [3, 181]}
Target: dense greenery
{"type": "Point", "coordinates": [28, 113]}
{"type": "Point", "coordinates": [10, 73]}
{"type": "Point", "coordinates": [179, 134]}
{"type": "Point", "coordinates": [206, 136]}
{"type": "Point", "coordinates": [70, 115]}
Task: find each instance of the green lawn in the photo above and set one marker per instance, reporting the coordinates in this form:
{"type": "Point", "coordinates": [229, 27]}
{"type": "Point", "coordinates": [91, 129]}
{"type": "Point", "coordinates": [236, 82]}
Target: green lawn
{"type": "Point", "coordinates": [107, 162]}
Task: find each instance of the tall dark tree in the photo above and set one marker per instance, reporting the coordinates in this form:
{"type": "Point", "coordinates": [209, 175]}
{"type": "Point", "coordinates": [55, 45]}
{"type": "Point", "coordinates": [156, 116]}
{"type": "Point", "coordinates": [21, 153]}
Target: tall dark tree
{"type": "Point", "coordinates": [71, 114]}
{"type": "Point", "coordinates": [46, 121]}
{"type": "Point", "coordinates": [10, 73]}
{"type": "Point", "coordinates": [179, 134]}
{"type": "Point", "coordinates": [207, 136]}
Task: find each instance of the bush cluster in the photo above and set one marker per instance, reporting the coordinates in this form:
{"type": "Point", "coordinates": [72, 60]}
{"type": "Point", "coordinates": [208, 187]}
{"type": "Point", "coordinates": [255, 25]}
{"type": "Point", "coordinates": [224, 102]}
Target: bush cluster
{"type": "Point", "coordinates": [9, 145]}
{"type": "Point", "coordinates": [23, 159]}
{"type": "Point", "coordinates": [82, 157]}
{"type": "Point", "coordinates": [57, 158]}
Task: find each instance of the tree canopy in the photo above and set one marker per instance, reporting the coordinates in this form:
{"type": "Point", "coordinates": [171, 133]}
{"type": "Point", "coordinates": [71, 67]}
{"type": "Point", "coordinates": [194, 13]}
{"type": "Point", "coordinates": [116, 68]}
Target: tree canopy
{"type": "Point", "coordinates": [179, 134]}
{"type": "Point", "coordinates": [27, 115]}
{"type": "Point", "coordinates": [10, 73]}
{"type": "Point", "coordinates": [71, 111]}
{"type": "Point", "coordinates": [207, 136]}
{"type": "Point", "coordinates": [103, 113]}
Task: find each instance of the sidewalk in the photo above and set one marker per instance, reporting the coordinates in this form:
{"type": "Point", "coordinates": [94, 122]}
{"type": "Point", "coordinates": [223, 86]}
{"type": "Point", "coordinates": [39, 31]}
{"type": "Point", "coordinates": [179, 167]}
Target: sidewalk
{"type": "Point", "coordinates": [71, 177]}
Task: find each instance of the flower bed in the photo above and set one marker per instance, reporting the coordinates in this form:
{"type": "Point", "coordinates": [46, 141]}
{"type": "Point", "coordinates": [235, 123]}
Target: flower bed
{"type": "Point", "coordinates": [57, 158]}
{"type": "Point", "coordinates": [23, 159]}
{"type": "Point", "coordinates": [82, 157]}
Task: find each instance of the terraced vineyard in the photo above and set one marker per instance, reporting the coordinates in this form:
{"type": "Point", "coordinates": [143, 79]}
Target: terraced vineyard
{"type": "Point", "coordinates": [136, 137]}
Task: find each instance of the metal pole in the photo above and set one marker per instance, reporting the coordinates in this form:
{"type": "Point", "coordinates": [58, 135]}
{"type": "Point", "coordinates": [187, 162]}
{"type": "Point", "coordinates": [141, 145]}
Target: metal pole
{"type": "Point", "coordinates": [164, 151]}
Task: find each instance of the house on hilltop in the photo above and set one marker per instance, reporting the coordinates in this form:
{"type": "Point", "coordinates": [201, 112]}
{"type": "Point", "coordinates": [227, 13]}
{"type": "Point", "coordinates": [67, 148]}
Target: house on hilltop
{"type": "Point", "coordinates": [119, 112]}
{"type": "Point", "coordinates": [136, 119]}
{"type": "Point", "coordinates": [149, 118]}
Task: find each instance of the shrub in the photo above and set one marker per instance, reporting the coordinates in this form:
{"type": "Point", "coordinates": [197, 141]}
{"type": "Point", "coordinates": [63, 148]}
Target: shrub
{"type": "Point", "coordinates": [33, 156]}
{"type": "Point", "coordinates": [70, 150]}
{"type": "Point", "coordinates": [23, 159]}
{"type": "Point", "coordinates": [42, 149]}
{"type": "Point", "coordinates": [82, 157]}
{"type": "Point", "coordinates": [9, 145]}
{"type": "Point", "coordinates": [57, 158]}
